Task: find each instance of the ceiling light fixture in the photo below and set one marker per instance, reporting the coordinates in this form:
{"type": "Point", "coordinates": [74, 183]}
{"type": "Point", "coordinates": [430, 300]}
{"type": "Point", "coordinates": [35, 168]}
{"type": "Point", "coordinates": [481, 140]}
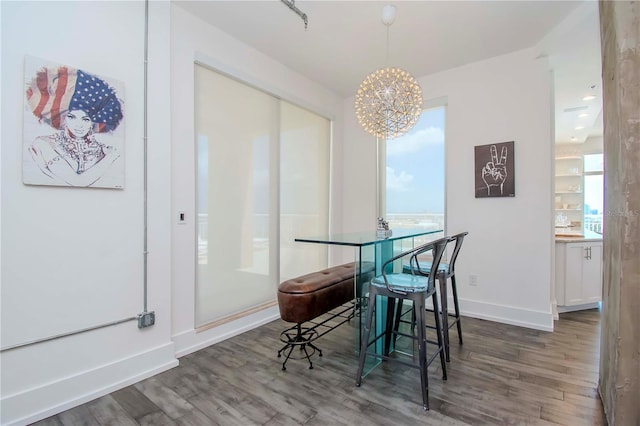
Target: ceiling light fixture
{"type": "Point", "coordinates": [588, 98]}
{"type": "Point", "coordinates": [583, 115]}
{"type": "Point", "coordinates": [389, 101]}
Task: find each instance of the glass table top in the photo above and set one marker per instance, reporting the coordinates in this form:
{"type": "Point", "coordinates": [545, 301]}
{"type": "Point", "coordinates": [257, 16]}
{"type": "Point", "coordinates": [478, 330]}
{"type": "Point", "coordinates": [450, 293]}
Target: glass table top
{"type": "Point", "coordinates": [359, 239]}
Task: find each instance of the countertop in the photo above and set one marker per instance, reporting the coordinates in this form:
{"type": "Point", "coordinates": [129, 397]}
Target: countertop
{"type": "Point", "coordinates": [585, 236]}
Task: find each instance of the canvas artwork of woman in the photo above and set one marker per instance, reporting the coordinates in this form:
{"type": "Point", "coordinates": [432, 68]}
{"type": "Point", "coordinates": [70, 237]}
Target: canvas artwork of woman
{"type": "Point", "coordinates": [79, 106]}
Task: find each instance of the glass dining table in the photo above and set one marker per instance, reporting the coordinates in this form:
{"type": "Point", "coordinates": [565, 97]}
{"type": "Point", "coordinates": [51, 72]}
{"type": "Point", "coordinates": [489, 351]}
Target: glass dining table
{"type": "Point", "coordinates": [371, 252]}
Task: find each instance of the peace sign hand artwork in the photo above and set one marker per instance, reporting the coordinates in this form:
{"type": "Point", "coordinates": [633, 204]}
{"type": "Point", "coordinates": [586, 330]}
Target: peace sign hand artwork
{"type": "Point", "coordinates": [494, 173]}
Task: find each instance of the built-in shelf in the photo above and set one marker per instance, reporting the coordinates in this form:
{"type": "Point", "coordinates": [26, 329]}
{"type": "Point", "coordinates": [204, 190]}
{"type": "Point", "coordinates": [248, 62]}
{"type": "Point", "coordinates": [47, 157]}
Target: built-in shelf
{"type": "Point", "coordinates": [568, 190]}
{"type": "Point", "coordinates": [576, 265]}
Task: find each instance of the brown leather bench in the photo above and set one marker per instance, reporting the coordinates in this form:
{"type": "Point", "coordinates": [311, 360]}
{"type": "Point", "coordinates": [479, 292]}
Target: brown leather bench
{"type": "Point", "coordinates": [305, 298]}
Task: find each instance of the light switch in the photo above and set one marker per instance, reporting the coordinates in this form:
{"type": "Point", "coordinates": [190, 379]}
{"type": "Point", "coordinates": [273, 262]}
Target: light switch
{"type": "Point", "coordinates": [182, 218]}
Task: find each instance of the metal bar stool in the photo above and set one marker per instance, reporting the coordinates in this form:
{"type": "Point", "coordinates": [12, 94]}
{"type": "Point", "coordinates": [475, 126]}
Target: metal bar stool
{"type": "Point", "coordinates": [446, 271]}
{"type": "Point", "coordinates": [416, 286]}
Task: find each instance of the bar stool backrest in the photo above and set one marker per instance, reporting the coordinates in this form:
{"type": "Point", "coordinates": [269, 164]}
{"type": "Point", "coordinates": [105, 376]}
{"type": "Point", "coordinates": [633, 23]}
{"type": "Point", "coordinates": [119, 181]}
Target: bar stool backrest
{"type": "Point", "coordinates": [437, 249]}
{"type": "Point", "coordinates": [458, 238]}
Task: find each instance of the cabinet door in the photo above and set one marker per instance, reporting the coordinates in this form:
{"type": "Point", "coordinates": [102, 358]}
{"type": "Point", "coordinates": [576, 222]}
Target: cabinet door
{"type": "Point", "coordinates": [560, 276]}
{"type": "Point", "coordinates": [592, 274]}
{"type": "Point", "coordinates": [575, 254]}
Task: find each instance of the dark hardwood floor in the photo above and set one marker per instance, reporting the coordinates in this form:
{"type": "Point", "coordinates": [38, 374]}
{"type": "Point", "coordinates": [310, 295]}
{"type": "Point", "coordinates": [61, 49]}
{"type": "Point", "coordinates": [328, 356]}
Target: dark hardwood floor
{"type": "Point", "coordinates": [501, 375]}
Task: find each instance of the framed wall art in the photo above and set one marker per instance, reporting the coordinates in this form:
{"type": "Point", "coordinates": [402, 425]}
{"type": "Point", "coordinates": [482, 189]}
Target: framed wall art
{"type": "Point", "coordinates": [494, 170]}
{"type": "Point", "coordinates": [73, 127]}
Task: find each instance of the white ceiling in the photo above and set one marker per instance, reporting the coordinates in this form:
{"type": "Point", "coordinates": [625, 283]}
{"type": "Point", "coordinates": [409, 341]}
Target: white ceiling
{"type": "Point", "coordinates": [346, 40]}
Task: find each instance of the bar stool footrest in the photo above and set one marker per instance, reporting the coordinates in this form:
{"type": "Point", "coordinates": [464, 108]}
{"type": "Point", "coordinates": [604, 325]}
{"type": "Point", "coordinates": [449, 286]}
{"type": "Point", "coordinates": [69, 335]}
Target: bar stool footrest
{"type": "Point", "coordinates": [302, 338]}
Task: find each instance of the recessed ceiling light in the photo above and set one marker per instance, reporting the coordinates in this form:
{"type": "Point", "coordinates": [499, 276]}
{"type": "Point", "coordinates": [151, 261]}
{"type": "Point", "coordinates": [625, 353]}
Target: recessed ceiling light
{"type": "Point", "coordinates": [573, 138]}
{"type": "Point", "coordinates": [588, 98]}
{"type": "Point", "coordinates": [579, 127]}
{"type": "Point", "coordinates": [583, 115]}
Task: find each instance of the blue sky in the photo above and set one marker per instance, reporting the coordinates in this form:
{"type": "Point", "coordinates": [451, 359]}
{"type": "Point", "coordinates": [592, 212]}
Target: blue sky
{"type": "Point", "coordinates": [415, 167]}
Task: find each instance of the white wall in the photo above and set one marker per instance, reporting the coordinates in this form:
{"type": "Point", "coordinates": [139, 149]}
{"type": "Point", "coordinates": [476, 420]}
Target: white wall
{"type": "Point", "coordinates": [192, 40]}
{"type": "Point", "coordinates": [41, 295]}
{"type": "Point", "coordinates": [593, 145]}
{"type": "Point", "coordinates": [508, 248]}
{"type": "Point", "coordinates": [507, 98]}
{"type": "Point", "coordinates": [72, 257]}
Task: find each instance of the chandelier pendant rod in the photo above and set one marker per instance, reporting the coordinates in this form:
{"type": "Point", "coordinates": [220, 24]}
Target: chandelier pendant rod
{"type": "Point", "coordinates": [387, 54]}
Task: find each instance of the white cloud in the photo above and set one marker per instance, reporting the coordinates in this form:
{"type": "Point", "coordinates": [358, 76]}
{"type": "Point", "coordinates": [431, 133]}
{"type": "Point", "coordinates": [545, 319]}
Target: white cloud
{"type": "Point", "coordinates": [398, 182]}
{"type": "Point", "coordinates": [413, 142]}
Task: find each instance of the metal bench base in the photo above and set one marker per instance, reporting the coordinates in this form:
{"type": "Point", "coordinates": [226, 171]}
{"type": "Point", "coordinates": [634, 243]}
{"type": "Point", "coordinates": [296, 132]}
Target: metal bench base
{"type": "Point", "coordinates": [302, 335]}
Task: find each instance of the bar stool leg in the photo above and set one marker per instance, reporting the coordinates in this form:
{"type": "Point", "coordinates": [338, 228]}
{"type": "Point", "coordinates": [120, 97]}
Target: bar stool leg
{"type": "Point", "coordinates": [439, 333]}
{"type": "Point", "coordinates": [398, 319]}
{"type": "Point", "coordinates": [442, 281]}
{"type": "Point", "coordinates": [456, 307]}
{"type": "Point", "coordinates": [422, 348]}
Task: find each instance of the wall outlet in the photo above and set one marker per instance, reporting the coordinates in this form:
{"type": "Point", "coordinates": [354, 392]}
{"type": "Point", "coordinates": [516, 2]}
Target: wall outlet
{"type": "Point", "coordinates": [146, 319]}
{"type": "Point", "coordinates": [473, 280]}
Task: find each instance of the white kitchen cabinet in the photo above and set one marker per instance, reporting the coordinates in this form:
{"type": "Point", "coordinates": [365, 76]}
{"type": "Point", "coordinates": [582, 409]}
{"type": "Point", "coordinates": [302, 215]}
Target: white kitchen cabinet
{"type": "Point", "coordinates": [578, 274]}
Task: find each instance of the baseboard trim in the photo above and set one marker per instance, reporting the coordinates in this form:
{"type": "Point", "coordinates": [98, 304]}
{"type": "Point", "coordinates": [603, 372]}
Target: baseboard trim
{"type": "Point", "coordinates": [563, 309]}
{"type": "Point", "coordinates": [537, 320]}
{"type": "Point", "coordinates": [191, 340]}
{"type": "Point", "coordinates": [554, 309]}
{"type": "Point", "coordinates": [49, 399]}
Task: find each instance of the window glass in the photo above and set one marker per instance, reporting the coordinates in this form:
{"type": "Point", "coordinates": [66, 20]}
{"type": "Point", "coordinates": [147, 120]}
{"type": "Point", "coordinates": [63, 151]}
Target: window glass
{"type": "Point", "coordinates": [593, 163]}
{"type": "Point", "coordinates": [593, 192]}
{"type": "Point", "coordinates": [415, 175]}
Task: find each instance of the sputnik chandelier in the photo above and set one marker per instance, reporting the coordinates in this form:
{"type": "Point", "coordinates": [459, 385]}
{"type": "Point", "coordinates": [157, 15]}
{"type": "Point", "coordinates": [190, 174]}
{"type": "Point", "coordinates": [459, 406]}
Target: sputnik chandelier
{"type": "Point", "coordinates": [389, 101]}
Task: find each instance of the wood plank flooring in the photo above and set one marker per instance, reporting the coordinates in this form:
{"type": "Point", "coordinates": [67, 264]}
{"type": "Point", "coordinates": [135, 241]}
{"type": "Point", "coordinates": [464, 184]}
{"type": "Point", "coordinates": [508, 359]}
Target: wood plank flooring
{"type": "Point", "coordinates": [501, 375]}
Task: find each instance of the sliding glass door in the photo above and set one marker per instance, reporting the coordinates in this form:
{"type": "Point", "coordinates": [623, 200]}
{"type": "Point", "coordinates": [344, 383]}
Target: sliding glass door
{"type": "Point", "coordinates": [262, 176]}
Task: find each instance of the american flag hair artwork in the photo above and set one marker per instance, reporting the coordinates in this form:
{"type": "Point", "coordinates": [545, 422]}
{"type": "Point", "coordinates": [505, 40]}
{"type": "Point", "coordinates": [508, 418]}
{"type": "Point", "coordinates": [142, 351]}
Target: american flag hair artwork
{"type": "Point", "coordinates": [73, 127]}
{"type": "Point", "coordinates": [54, 91]}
